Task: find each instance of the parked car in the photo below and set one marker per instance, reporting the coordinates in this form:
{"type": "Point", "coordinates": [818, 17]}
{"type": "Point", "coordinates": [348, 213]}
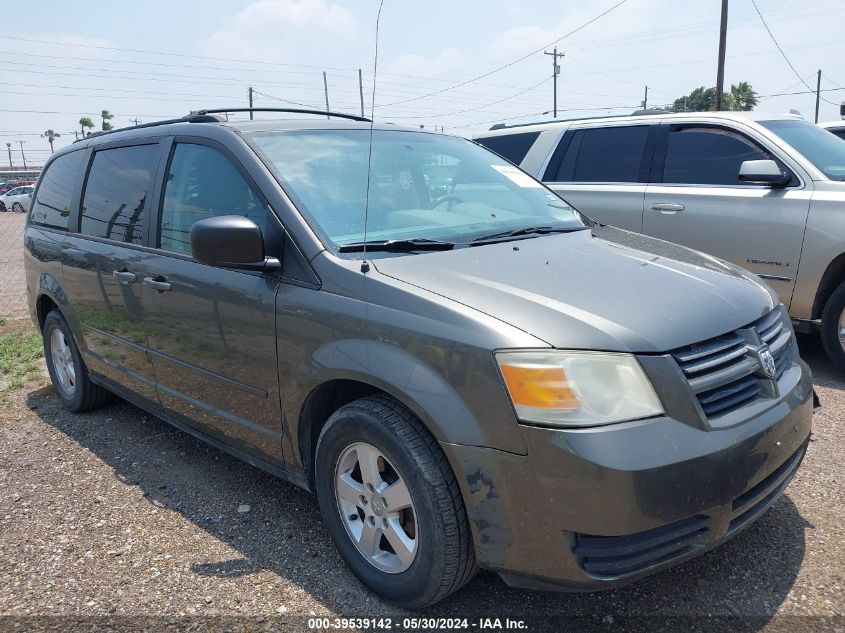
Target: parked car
{"type": "Point", "coordinates": [17, 199]}
{"type": "Point", "coordinates": [762, 191]}
{"type": "Point", "coordinates": [836, 127]}
{"type": "Point", "coordinates": [482, 378]}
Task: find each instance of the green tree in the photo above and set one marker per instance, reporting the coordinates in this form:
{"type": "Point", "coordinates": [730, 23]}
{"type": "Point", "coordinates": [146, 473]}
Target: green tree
{"type": "Point", "coordinates": [743, 96]}
{"type": "Point", "coordinates": [51, 136]}
{"type": "Point", "coordinates": [106, 116]}
{"type": "Point", "coordinates": [86, 122]}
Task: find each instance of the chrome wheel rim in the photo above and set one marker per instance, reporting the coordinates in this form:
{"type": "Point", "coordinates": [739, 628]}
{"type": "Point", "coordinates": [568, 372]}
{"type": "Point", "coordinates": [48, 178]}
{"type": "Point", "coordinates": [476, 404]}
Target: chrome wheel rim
{"type": "Point", "coordinates": [63, 365]}
{"type": "Point", "coordinates": [376, 508]}
{"type": "Point", "coordinates": [17, 207]}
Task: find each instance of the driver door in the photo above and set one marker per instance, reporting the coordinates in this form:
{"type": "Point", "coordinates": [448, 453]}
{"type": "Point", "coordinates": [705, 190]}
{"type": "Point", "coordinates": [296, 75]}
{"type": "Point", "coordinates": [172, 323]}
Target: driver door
{"type": "Point", "coordinates": [696, 199]}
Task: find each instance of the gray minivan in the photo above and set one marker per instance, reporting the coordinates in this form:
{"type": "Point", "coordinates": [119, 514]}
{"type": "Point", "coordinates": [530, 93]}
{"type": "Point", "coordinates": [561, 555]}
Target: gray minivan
{"type": "Point", "coordinates": [465, 370]}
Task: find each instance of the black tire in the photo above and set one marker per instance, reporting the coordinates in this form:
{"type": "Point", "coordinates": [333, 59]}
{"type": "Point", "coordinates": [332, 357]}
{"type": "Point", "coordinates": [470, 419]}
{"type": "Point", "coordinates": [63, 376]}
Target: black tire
{"type": "Point", "coordinates": [17, 207]}
{"type": "Point", "coordinates": [445, 558]}
{"type": "Point", "coordinates": [86, 395]}
{"type": "Point", "coordinates": [831, 314]}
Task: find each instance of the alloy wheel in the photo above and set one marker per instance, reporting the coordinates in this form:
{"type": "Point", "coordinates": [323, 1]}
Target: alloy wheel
{"type": "Point", "coordinates": [376, 508]}
{"type": "Point", "coordinates": [62, 359]}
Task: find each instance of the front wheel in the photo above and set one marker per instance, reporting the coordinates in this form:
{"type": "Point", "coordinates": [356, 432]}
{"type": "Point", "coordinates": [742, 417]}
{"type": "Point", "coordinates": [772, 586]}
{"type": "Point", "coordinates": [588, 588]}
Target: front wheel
{"type": "Point", "coordinates": [833, 327]}
{"type": "Point", "coordinates": [392, 504]}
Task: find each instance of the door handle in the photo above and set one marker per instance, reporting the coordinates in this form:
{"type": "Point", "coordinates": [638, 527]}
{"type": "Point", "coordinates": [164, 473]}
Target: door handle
{"type": "Point", "coordinates": [124, 277]}
{"type": "Point", "coordinates": [158, 282]}
{"type": "Point", "coordinates": [666, 207]}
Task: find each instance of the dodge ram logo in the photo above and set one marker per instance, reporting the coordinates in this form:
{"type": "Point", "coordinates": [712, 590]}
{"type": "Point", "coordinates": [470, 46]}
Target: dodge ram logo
{"type": "Point", "coordinates": [767, 361]}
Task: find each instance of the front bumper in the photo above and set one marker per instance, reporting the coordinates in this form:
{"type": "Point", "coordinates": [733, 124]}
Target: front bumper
{"type": "Point", "coordinates": [593, 508]}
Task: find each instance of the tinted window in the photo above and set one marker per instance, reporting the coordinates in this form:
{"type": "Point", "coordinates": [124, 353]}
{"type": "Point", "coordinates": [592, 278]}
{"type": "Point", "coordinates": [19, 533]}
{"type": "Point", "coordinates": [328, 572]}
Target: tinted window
{"type": "Point", "coordinates": [708, 156]}
{"type": "Point", "coordinates": [202, 183]}
{"type": "Point", "coordinates": [513, 147]}
{"type": "Point", "coordinates": [117, 193]}
{"type": "Point", "coordinates": [612, 154]}
{"type": "Point", "coordinates": [839, 133]}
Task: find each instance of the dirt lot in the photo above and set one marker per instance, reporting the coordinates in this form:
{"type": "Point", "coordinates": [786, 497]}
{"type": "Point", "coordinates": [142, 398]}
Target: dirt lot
{"type": "Point", "coordinates": [117, 515]}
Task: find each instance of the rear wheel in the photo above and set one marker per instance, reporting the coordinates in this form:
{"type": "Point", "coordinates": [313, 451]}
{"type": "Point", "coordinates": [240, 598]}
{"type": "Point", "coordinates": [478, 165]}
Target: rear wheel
{"type": "Point", "coordinates": [17, 207]}
{"type": "Point", "coordinates": [391, 503]}
{"type": "Point", "coordinates": [67, 370]}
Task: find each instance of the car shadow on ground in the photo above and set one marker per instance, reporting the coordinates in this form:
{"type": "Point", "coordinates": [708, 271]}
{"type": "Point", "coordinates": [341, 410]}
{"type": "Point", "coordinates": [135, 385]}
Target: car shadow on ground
{"type": "Point", "coordinates": [824, 373]}
{"type": "Point", "coordinates": [284, 534]}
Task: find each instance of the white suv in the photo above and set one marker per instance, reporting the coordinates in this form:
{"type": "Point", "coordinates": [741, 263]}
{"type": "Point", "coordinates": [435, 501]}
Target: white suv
{"type": "Point", "coordinates": [766, 192]}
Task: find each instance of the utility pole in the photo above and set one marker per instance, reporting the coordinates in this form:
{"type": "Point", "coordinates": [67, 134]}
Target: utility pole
{"type": "Point", "coordinates": [645, 98]}
{"type": "Point", "coordinates": [720, 73]}
{"type": "Point", "coordinates": [361, 91]}
{"type": "Point", "coordinates": [326, 89]}
{"type": "Point", "coordinates": [250, 103]}
{"type": "Point", "coordinates": [9, 147]}
{"type": "Point", "coordinates": [555, 72]}
{"type": "Point", "coordinates": [23, 157]}
{"type": "Point", "coordinates": [818, 93]}
{"type": "Point", "coordinates": [136, 121]}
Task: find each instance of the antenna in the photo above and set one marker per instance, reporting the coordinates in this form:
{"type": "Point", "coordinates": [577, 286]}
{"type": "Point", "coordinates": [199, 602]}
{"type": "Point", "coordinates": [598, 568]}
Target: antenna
{"type": "Point", "coordinates": [365, 266]}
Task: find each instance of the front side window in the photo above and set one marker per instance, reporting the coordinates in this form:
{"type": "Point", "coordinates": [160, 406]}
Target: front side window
{"type": "Point", "coordinates": [700, 155]}
{"type": "Point", "coordinates": [609, 154]}
{"type": "Point", "coordinates": [117, 193]}
{"type": "Point", "coordinates": [202, 183]}
{"type": "Point", "coordinates": [818, 146]}
{"type": "Point", "coordinates": [420, 185]}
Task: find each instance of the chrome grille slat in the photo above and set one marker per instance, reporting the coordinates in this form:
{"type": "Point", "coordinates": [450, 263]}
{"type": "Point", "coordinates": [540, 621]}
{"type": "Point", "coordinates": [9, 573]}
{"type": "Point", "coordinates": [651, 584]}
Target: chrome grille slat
{"type": "Point", "coordinates": [723, 376]}
{"type": "Point", "coordinates": [722, 371]}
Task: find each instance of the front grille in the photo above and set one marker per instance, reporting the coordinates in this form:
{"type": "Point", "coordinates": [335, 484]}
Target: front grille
{"type": "Point", "coordinates": [621, 555]}
{"type": "Point", "coordinates": [724, 371]}
{"type": "Point", "coordinates": [757, 499]}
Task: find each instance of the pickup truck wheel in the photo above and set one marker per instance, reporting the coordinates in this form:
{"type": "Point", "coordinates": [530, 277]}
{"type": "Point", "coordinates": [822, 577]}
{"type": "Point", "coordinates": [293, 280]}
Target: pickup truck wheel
{"type": "Point", "coordinates": [67, 370]}
{"type": "Point", "coordinates": [833, 327]}
{"type": "Point", "coordinates": [391, 503]}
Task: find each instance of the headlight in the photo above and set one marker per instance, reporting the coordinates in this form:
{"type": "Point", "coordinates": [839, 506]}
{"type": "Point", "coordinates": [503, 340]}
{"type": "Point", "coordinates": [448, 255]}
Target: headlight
{"type": "Point", "coordinates": [577, 388]}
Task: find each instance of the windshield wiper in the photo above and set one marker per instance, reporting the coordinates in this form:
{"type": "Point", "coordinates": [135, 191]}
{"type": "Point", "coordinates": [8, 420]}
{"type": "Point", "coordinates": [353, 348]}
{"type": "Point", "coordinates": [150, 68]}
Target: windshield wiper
{"type": "Point", "coordinates": [397, 246]}
{"type": "Point", "coordinates": [526, 231]}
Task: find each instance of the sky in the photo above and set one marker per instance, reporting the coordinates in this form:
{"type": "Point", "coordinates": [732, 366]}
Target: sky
{"type": "Point", "coordinates": [462, 66]}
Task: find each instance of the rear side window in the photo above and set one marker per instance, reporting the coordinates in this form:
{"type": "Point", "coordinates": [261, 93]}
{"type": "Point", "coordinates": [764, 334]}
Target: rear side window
{"type": "Point", "coordinates": [51, 207]}
{"type": "Point", "coordinates": [117, 193]}
{"type": "Point", "coordinates": [512, 147]}
{"type": "Point", "coordinates": [610, 154]}
{"type": "Point", "coordinates": [708, 156]}
{"type": "Point", "coordinates": [202, 183]}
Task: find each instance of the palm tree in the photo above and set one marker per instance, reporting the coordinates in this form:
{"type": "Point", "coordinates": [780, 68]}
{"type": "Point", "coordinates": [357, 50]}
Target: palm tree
{"type": "Point", "coordinates": [743, 96]}
{"type": "Point", "coordinates": [51, 136]}
{"type": "Point", "coordinates": [107, 116]}
{"type": "Point", "coordinates": [86, 122]}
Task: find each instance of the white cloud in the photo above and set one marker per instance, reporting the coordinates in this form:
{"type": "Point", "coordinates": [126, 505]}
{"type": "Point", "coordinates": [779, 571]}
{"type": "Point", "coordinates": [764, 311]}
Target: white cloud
{"type": "Point", "coordinates": [283, 31]}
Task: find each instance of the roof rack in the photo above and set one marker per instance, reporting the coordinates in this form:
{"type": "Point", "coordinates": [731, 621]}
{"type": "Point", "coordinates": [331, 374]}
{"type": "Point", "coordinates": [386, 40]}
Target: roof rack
{"type": "Point", "coordinates": [650, 112]}
{"type": "Point", "coordinates": [339, 115]}
{"type": "Point", "coordinates": [208, 116]}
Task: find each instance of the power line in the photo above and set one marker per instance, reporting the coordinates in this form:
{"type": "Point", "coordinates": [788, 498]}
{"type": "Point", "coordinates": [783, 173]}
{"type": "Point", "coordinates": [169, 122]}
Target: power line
{"type": "Point", "coordinates": [516, 61]}
{"type": "Point", "coordinates": [786, 59]}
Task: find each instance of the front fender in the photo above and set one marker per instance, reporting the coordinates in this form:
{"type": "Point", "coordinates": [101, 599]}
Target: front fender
{"type": "Point", "coordinates": [420, 384]}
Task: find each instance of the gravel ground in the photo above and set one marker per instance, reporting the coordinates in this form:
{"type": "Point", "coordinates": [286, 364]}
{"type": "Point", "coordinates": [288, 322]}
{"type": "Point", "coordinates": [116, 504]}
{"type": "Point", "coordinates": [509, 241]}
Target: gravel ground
{"type": "Point", "coordinates": [115, 519]}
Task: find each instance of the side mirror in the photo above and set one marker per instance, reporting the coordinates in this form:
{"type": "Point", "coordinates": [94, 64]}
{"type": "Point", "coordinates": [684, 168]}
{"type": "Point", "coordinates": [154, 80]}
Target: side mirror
{"type": "Point", "coordinates": [764, 172]}
{"type": "Point", "coordinates": [231, 241]}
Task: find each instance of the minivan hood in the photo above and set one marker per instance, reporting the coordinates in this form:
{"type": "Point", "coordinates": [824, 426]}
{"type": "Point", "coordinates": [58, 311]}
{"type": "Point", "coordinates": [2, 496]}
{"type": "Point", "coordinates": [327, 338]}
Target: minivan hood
{"type": "Point", "coordinates": [602, 289]}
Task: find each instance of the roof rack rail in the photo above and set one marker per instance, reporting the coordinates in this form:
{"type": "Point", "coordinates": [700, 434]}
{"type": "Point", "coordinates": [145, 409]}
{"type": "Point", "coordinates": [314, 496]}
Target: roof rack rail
{"type": "Point", "coordinates": [208, 116]}
{"type": "Point", "coordinates": [339, 115]}
{"type": "Point", "coordinates": [650, 112]}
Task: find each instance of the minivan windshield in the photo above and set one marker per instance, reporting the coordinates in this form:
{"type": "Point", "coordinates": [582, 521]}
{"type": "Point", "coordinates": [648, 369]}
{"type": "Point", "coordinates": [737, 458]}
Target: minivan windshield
{"type": "Point", "coordinates": [422, 187]}
{"type": "Point", "coordinates": [825, 150]}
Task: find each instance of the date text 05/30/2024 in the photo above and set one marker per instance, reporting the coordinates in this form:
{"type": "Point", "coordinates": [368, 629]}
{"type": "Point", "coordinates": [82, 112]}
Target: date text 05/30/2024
{"type": "Point", "coordinates": [413, 624]}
